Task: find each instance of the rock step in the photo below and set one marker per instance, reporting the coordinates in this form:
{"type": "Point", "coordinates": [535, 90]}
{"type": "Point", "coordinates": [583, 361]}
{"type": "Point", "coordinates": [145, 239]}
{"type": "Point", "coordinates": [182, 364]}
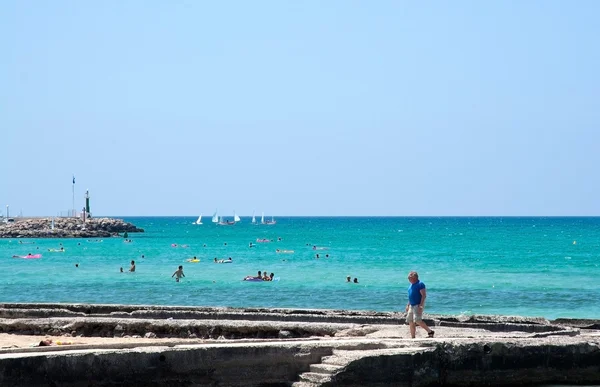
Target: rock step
{"type": "Point", "coordinates": [314, 377]}
{"type": "Point", "coordinates": [325, 368]}
{"type": "Point", "coordinates": [305, 384]}
{"type": "Point", "coordinates": [334, 360]}
{"type": "Point", "coordinates": [342, 357]}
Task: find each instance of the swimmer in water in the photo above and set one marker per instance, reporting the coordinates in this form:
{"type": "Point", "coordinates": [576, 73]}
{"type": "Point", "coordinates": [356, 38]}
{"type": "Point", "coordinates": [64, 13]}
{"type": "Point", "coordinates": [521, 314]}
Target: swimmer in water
{"type": "Point", "coordinates": [178, 273]}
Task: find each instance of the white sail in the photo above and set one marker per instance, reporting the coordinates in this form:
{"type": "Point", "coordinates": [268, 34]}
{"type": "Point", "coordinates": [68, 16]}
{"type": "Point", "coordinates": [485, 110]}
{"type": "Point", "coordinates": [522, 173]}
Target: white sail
{"type": "Point", "coordinates": [215, 217]}
{"type": "Point", "coordinates": [262, 218]}
{"type": "Point", "coordinates": [253, 218]}
{"type": "Point", "coordinates": [52, 224]}
{"type": "Point", "coordinates": [235, 217]}
{"type": "Point", "coordinates": [199, 220]}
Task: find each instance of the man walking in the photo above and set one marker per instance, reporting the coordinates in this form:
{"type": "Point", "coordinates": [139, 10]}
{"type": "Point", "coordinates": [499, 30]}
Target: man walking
{"type": "Point", "coordinates": [416, 303]}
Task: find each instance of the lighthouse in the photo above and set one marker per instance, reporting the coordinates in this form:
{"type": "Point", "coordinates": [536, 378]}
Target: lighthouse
{"type": "Point", "coordinates": [86, 209]}
{"type": "Point", "coordinates": [87, 203]}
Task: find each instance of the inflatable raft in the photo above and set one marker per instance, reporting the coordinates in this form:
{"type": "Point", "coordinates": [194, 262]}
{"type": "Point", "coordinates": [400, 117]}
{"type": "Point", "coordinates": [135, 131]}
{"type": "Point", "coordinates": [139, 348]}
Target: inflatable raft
{"type": "Point", "coordinates": [28, 256]}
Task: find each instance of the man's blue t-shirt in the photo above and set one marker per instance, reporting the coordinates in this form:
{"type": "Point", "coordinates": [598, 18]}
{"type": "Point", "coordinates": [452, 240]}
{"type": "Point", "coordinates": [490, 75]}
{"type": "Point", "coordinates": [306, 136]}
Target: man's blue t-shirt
{"type": "Point", "coordinates": [414, 293]}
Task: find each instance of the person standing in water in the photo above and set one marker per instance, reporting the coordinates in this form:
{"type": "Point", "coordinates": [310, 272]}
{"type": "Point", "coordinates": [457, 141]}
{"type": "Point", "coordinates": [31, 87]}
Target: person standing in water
{"type": "Point", "coordinates": [178, 273]}
{"type": "Point", "coordinates": [416, 304]}
{"type": "Point", "coordinates": [132, 268]}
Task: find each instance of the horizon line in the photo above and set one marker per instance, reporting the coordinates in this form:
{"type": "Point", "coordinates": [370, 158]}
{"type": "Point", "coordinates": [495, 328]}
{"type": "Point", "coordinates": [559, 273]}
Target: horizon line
{"type": "Point", "coordinates": [367, 216]}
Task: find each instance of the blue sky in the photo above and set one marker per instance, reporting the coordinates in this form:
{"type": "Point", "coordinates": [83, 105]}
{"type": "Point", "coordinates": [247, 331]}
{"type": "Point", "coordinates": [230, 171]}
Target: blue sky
{"type": "Point", "coordinates": [300, 107]}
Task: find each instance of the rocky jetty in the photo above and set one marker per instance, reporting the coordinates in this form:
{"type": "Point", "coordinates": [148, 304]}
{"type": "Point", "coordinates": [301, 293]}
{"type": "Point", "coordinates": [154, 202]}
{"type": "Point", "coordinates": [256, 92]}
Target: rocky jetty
{"type": "Point", "coordinates": [66, 228]}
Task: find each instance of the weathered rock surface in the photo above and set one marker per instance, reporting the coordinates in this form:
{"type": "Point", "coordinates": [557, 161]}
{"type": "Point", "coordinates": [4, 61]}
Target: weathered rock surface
{"type": "Point", "coordinates": [472, 363]}
{"type": "Point", "coordinates": [292, 347]}
{"type": "Point", "coordinates": [235, 323]}
{"type": "Point", "coordinates": [66, 228]}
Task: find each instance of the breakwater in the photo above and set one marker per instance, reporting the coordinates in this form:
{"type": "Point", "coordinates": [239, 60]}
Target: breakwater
{"type": "Point", "coordinates": [65, 228]}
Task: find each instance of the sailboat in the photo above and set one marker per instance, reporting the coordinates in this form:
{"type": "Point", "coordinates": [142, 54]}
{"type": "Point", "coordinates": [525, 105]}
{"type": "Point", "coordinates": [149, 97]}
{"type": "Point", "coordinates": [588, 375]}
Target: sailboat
{"type": "Point", "coordinates": [199, 220]}
{"type": "Point", "coordinates": [253, 218]}
{"type": "Point", "coordinates": [224, 222]}
{"type": "Point", "coordinates": [263, 221]}
{"type": "Point", "coordinates": [52, 224]}
{"type": "Point", "coordinates": [235, 217]}
{"type": "Point", "coordinates": [215, 217]}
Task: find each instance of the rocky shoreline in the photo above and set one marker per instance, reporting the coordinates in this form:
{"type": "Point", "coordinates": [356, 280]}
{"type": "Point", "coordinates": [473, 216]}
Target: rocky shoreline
{"type": "Point", "coordinates": [168, 321]}
{"type": "Point", "coordinates": [168, 345]}
{"type": "Point", "coordinates": [66, 228]}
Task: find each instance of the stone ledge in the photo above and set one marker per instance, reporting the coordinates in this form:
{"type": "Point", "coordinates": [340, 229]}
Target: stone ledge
{"type": "Point", "coordinates": [445, 362]}
{"type": "Point", "coordinates": [239, 346]}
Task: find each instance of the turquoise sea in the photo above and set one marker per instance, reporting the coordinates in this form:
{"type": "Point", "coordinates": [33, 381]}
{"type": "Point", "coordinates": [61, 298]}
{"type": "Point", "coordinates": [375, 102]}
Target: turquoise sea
{"type": "Point", "coordinates": [547, 267]}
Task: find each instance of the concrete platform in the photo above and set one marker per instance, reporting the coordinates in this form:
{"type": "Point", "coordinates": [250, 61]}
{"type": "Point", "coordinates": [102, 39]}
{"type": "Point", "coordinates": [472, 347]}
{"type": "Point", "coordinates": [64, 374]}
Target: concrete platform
{"type": "Point", "coordinates": [104, 345]}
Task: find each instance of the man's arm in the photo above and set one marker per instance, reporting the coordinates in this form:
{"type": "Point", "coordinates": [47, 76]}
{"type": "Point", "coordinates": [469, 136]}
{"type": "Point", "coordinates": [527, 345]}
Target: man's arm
{"type": "Point", "coordinates": [423, 297]}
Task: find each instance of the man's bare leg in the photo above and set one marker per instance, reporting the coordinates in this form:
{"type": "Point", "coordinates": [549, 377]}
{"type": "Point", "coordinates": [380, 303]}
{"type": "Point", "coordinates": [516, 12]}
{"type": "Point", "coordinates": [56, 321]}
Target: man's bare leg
{"type": "Point", "coordinates": [413, 329]}
{"type": "Point", "coordinates": [424, 326]}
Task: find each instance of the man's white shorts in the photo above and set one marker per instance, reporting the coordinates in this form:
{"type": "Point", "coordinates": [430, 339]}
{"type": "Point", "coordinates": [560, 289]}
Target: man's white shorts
{"type": "Point", "coordinates": [415, 314]}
